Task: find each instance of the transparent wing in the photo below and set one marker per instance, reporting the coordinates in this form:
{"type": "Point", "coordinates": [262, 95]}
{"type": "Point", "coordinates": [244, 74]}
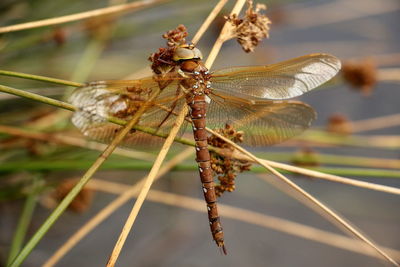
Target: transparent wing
{"type": "Point", "coordinates": [101, 100]}
{"type": "Point", "coordinates": [282, 80]}
{"type": "Point", "coordinates": [263, 122]}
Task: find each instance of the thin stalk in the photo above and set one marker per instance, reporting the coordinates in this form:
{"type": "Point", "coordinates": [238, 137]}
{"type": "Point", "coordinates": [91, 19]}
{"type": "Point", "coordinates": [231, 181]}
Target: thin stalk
{"type": "Point", "coordinates": [208, 21]}
{"type": "Point", "coordinates": [39, 78]}
{"type": "Point", "coordinates": [78, 187]}
{"type": "Point", "coordinates": [251, 217]}
{"type": "Point", "coordinates": [81, 164]}
{"type": "Point", "coordinates": [80, 16]}
{"type": "Point", "coordinates": [146, 187]}
{"type": "Point", "coordinates": [35, 97]}
{"type": "Point", "coordinates": [321, 157]}
{"type": "Point", "coordinates": [106, 212]}
{"type": "Point", "coordinates": [64, 105]}
{"type": "Point", "coordinates": [389, 75]}
{"type": "Point", "coordinates": [391, 120]}
{"type": "Point", "coordinates": [294, 169]}
{"type": "Point", "coordinates": [313, 136]}
{"type": "Point", "coordinates": [224, 35]}
{"type": "Point", "coordinates": [314, 203]}
{"type": "Point", "coordinates": [24, 220]}
{"type": "Point", "coordinates": [323, 138]}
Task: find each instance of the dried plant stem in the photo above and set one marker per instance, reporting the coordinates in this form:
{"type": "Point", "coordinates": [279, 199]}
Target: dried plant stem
{"type": "Point", "coordinates": [332, 178]}
{"type": "Point", "coordinates": [78, 187]}
{"type": "Point", "coordinates": [146, 187]}
{"type": "Point", "coordinates": [334, 217]}
{"type": "Point", "coordinates": [247, 216]}
{"type": "Point", "coordinates": [80, 16]}
{"type": "Point", "coordinates": [318, 138]}
{"type": "Point", "coordinates": [376, 123]}
{"type": "Point", "coordinates": [125, 195]}
{"type": "Point", "coordinates": [320, 175]}
{"type": "Point", "coordinates": [37, 97]}
{"type": "Point", "coordinates": [25, 219]}
{"type": "Point", "coordinates": [39, 78]}
{"type": "Point", "coordinates": [323, 138]}
{"type": "Point", "coordinates": [84, 143]}
{"type": "Point", "coordinates": [224, 35]}
{"type": "Point", "coordinates": [208, 21]}
{"type": "Point", "coordinates": [74, 141]}
{"type": "Point", "coordinates": [64, 105]}
{"type": "Point", "coordinates": [274, 223]}
{"type": "Point", "coordinates": [389, 75]}
{"type": "Point", "coordinates": [303, 171]}
{"type": "Point", "coordinates": [117, 249]}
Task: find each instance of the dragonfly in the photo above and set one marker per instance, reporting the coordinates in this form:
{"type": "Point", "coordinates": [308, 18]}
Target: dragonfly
{"type": "Point", "coordinates": [253, 98]}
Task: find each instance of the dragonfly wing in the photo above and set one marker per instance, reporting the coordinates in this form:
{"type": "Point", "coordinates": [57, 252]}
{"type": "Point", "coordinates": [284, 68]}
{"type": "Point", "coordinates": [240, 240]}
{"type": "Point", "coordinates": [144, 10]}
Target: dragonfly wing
{"type": "Point", "coordinates": [99, 101]}
{"type": "Point", "coordinates": [282, 80]}
{"type": "Point", "coordinates": [263, 122]}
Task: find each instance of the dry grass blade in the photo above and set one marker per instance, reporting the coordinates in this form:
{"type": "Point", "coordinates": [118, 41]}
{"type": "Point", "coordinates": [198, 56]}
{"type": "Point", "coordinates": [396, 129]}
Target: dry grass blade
{"type": "Point", "coordinates": [333, 178]}
{"type": "Point", "coordinates": [240, 155]}
{"type": "Point", "coordinates": [126, 194]}
{"type": "Point", "coordinates": [85, 178]}
{"type": "Point", "coordinates": [128, 225]}
{"type": "Point", "coordinates": [208, 21]}
{"type": "Point", "coordinates": [278, 224]}
{"type": "Point", "coordinates": [146, 187]}
{"type": "Point", "coordinates": [223, 36]}
{"type": "Point", "coordinates": [80, 16]}
{"type": "Point", "coordinates": [74, 141]}
{"type": "Point", "coordinates": [389, 75]}
{"type": "Point", "coordinates": [334, 217]}
{"type": "Point", "coordinates": [376, 123]}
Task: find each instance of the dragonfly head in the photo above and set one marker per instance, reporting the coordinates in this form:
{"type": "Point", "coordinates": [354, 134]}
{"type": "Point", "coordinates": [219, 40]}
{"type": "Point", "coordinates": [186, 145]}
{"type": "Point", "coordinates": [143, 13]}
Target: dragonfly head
{"type": "Point", "coordinates": [187, 52]}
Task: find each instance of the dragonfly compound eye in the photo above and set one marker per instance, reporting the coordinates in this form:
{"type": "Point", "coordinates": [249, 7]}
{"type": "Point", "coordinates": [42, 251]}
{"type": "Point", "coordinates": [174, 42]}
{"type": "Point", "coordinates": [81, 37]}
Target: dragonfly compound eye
{"type": "Point", "coordinates": [186, 53]}
{"type": "Point", "coordinates": [197, 53]}
{"type": "Point", "coordinates": [182, 53]}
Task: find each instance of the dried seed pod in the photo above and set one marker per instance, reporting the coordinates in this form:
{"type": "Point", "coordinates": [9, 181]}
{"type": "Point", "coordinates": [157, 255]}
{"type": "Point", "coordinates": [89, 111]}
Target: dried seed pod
{"type": "Point", "coordinates": [81, 202]}
{"type": "Point", "coordinates": [252, 29]}
{"type": "Point", "coordinates": [226, 169]}
{"type": "Point", "coordinates": [360, 75]}
{"type": "Point", "coordinates": [165, 59]}
{"type": "Point", "coordinates": [339, 124]}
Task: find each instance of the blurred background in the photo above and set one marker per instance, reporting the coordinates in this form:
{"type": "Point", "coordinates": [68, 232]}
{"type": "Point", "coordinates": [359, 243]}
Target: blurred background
{"type": "Point", "coordinates": [363, 33]}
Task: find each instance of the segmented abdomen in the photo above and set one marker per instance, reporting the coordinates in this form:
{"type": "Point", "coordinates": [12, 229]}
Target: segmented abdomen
{"type": "Point", "coordinates": [198, 116]}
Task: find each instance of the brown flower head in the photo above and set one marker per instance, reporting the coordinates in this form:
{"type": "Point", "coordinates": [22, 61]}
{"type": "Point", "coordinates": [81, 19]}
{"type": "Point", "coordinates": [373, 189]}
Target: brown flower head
{"type": "Point", "coordinates": [339, 124]}
{"type": "Point", "coordinates": [360, 75]}
{"type": "Point", "coordinates": [252, 29]}
{"type": "Point", "coordinates": [162, 61]}
{"type": "Point", "coordinates": [226, 169]}
{"type": "Point", "coordinates": [81, 202]}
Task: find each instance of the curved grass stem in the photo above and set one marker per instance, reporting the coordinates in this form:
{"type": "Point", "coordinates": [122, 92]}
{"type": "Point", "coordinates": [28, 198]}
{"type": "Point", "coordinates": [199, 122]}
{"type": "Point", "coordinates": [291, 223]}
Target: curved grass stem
{"type": "Point", "coordinates": [25, 220]}
{"type": "Point", "coordinates": [110, 208]}
{"type": "Point", "coordinates": [78, 187]}
{"type": "Point", "coordinates": [312, 201]}
{"type": "Point", "coordinates": [251, 217]}
{"type": "Point", "coordinates": [146, 187]}
{"type": "Point", "coordinates": [39, 78]}
{"type": "Point", "coordinates": [80, 16]}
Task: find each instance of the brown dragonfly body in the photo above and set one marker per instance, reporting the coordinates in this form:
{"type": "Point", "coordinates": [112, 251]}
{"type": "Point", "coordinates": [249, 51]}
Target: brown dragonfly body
{"type": "Point", "coordinates": [196, 99]}
{"type": "Point", "coordinates": [251, 98]}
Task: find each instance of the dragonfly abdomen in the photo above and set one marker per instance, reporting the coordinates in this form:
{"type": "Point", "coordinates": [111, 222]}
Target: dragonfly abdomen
{"type": "Point", "coordinates": [198, 116]}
